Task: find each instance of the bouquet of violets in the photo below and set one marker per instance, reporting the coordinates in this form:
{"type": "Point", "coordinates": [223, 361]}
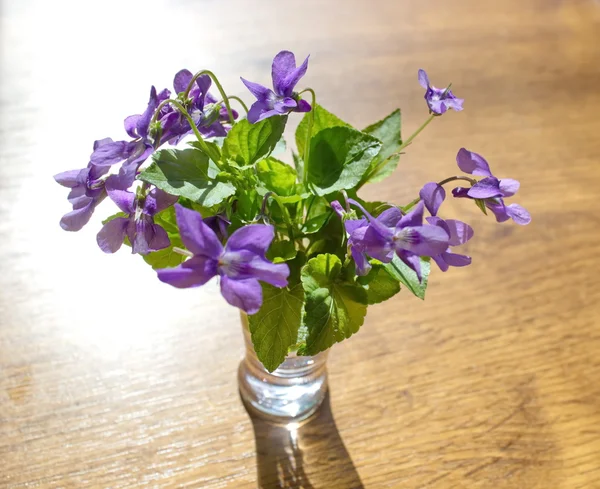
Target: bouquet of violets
{"type": "Point", "coordinates": [295, 248]}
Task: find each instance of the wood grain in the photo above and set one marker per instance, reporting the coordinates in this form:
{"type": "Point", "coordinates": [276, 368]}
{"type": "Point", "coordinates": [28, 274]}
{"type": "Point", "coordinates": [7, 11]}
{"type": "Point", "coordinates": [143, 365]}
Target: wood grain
{"type": "Point", "coordinates": [109, 379]}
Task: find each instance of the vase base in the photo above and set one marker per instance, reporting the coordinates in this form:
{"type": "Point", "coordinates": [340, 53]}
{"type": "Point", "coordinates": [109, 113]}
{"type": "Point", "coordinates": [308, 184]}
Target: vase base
{"type": "Point", "coordinates": [281, 403]}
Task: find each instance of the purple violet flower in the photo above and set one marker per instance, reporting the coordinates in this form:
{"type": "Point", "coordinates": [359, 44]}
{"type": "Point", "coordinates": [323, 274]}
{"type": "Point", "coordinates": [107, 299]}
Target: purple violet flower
{"type": "Point", "coordinates": [439, 100]}
{"type": "Point", "coordinates": [131, 153]}
{"type": "Point", "coordinates": [391, 232]}
{"type": "Point", "coordinates": [87, 191]}
{"type": "Point", "coordinates": [138, 226]}
{"type": "Point", "coordinates": [432, 195]}
{"type": "Point", "coordinates": [490, 189]}
{"type": "Point", "coordinates": [355, 229]}
{"type": "Point", "coordinates": [209, 123]}
{"type": "Point", "coordinates": [240, 264]}
{"type": "Point", "coordinates": [282, 100]}
{"type": "Point", "coordinates": [459, 233]}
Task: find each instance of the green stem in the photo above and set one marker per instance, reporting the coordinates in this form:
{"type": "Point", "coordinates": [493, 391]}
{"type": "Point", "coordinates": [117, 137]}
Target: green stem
{"type": "Point", "coordinates": [219, 87]}
{"type": "Point", "coordinates": [183, 252]}
{"type": "Point", "coordinates": [286, 215]}
{"type": "Point", "coordinates": [311, 122]}
{"type": "Point", "coordinates": [398, 151]}
{"type": "Point", "coordinates": [472, 181]}
{"type": "Point", "coordinates": [416, 133]}
{"type": "Point", "coordinates": [312, 201]}
{"type": "Point", "coordinates": [411, 205]}
{"type": "Point", "coordinates": [240, 101]}
{"type": "Point", "coordinates": [375, 170]}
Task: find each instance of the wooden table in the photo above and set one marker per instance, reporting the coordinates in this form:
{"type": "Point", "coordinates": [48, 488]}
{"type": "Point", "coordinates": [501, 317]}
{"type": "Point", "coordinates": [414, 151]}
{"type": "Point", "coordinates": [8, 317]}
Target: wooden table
{"type": "Point", "coordinates": [110, 379]}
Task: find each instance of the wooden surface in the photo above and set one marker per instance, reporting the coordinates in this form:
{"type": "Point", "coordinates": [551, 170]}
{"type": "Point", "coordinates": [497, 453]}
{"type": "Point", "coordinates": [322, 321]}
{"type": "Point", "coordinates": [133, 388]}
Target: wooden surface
{"type": "Point", "coordinates": [109, 379]}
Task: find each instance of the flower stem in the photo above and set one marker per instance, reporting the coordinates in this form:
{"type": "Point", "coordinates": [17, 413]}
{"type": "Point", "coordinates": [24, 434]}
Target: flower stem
{"type": "Point", "coordinates": [416, 133]}
{"type": "Point", "coordinates": [408, 207]}
{"type": "Point", "coordinates": [240, 101]}
{"type": "Point", "coordinates": [375, 170]}
{"type": "Point", "coordinates": [472, 181]}
{"type": "Point", "coordinates": [311, 122]}
{"type": "Point", "coordinates": [219, 87]}
{"type": "Point", "coordinates": [398, 151]}
{"type": "Point", "coordinates": [183, 252]}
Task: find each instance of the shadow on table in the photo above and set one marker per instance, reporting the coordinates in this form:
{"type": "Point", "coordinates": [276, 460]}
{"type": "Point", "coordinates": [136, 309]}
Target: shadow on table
{"type": "Point", "coordinates": [310, 456]}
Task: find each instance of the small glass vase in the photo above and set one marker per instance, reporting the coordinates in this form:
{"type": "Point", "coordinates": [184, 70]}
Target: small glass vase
{"type": "Point", "coordinates": [291, 393]}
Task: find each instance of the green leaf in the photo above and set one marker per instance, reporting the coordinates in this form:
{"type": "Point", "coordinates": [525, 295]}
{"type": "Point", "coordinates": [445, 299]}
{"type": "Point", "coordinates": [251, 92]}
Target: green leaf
{"type": "Point", "coordinates": [335, 309]}
{"type": "Point", "coordinates": [166, 258]}
{"type": "Point", "coordinates": [481, 204]}
{"type": "Point", "coordinates": [339, 157]}
{"type": "Point", "coordinates": [319, 212]}
{"type": "Point", "coordinates": [280, 251]}
{"type": "Point", "coordinates": [114, 216]}
{"type": "Point", "coordinates": [210, 148]}
{"type": "Point", "coordinates": [323, 119]}
{"type": "Point", "coordinates": [247, 143]}
{"type": "Point", "coordinates": [293, 199]}
{"type": "Point", "coordinates": [314, 224]}
{"type": "Point", "coordinates": [388, 131]}
{"type": "Point", "coordinates": [274, 328]}
{"type": "Point", "coordinates": [187, 173]}
{"type": "Point", "coordinates": [379, 284]}
{"type": "Point", "coordinates": [403, 273]}
{"type": "Point", "coordinates": [247, 207]}
{"type": "Point", "coordinates": [277, 176]}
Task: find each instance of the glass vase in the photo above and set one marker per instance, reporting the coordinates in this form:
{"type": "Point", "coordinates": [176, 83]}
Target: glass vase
{"type": "Point", "coordinates": [289, 394]}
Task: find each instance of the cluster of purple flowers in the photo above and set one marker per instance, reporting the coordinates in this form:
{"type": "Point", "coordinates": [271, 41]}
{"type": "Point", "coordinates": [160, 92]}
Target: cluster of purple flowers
{"type": "Point", "coordinates": [240, 260]}
{"type": "Point", "coordinates": [113, 165]}
{"type": "Point", "coordinates": [405, 235]}
{"type": "Point", "coordinates": [489, 191]}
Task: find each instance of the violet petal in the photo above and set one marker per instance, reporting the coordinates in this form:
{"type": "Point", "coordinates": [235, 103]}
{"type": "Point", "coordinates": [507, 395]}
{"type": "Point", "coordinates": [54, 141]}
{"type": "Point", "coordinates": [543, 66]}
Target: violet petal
{"type": "Point", "coordinates": [423, 79]}
{"type": "Point", "coordinates": [487, 188]}
{"type": "Point", "coordinates": [509, 187]}
{"type": "Point", "coordinates": [261, 92]}
{"type": "Point", "coordinates": [255, 238]}
{"type": "Point", "coordinates": [456, 260]}
{"type": "Point", "coordinates": [158, 200]}
{"type": "Point", "coordinates": [432, 196]}
{"type": "Point", "coordinates": [111, 236]}
{"type": "Point", "coordinates": [191, 273]}
{"type": "Point", "coordinates": [196, 235]}
{"type": "Point", "coordinates": [68, 178]}
{"type": "Point", "coordinates": [123, 198]}
{"type": "Point", "coordinates": [422, 240]}
{"type": "Point", "coordinates": [182, 80]}
{"type": "Point", "coordinates": [472, 163]}
{"type": "Point", "coordinates": [390, 217]}
{"type": "Point", "coordinates": [284, 73]}
{"type": "Point", "coordinates": [518, 214]}
{"type": "Point", "coordinates": [77, 218]}
{"type": "Point", "coordinates": [244, 294]}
